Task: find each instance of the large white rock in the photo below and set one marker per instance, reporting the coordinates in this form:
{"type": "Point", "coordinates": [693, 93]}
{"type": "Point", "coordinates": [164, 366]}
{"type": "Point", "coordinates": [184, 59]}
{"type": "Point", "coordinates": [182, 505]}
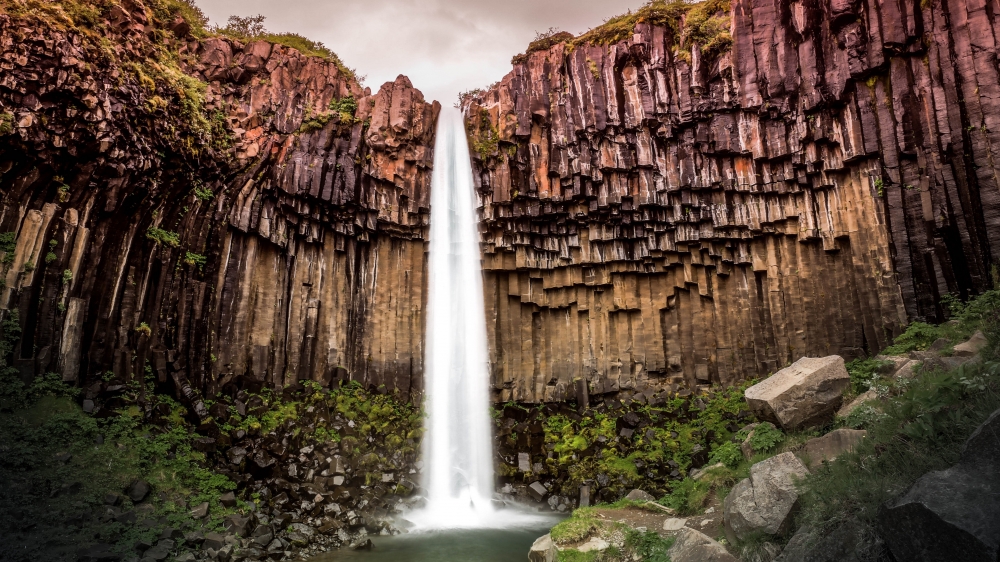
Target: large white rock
{"type": "Point", "coordinates": [693, 546]}
{"type": "Point", "coordinates": [765, 502]}
{"type": "Point", "coordinates": [805, 394]}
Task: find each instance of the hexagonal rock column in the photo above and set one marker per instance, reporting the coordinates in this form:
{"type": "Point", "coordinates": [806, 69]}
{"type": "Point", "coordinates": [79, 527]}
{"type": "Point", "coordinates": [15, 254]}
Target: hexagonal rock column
{"type": "Point", "coordinates": [805, 394]}
{"type": "Point", "coordinates": [766, 501]}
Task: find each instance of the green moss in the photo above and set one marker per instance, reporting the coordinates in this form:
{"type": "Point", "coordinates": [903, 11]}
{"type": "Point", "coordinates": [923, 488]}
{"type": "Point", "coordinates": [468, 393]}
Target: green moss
{"type": "Point", "coordinates": [543, 42]}
{"type": "Point", "coordinates": [705, 24]}
{"type": "Point", "coordinates": [252, 29]}
{"type": "Point", "coordinates": [196, 260]}
{"type": "Point", "coordinates": [484, 138]}
{"type": "Point", "coordinates": [6, 123]}
{"type": "Point", "coordinates": [577, 527]}
{"type": "Point", "coordinates": [203, 193]}
{"type": "Point", "coordinates": [163, 237]}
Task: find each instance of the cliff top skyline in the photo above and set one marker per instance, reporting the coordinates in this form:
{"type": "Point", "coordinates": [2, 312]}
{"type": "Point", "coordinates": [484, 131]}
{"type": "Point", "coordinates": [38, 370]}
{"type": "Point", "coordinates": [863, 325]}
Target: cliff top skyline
{"type": "Point", "coordinates": [444, 46]}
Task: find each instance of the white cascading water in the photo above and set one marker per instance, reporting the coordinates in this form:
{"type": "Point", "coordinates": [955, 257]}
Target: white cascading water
{"type": "Point", "coordinates": [458, 446]}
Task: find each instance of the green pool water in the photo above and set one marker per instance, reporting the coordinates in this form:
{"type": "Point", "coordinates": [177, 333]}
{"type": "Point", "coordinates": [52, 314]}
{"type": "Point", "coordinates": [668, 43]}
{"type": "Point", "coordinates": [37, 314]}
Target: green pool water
{"type": "Point", "coordinates": [456, 545]}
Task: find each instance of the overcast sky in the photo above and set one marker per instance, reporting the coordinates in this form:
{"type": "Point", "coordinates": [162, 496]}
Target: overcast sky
{"type": "Point", "coordinates": [444, 46]}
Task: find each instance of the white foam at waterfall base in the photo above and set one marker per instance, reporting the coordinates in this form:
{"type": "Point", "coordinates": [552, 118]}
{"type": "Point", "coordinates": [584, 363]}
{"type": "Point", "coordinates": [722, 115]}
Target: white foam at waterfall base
{"type": "Point", "coordinates": [457, 445]}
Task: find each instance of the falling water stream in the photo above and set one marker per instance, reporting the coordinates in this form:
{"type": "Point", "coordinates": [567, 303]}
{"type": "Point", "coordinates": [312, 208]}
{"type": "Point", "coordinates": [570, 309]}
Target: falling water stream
{"type": "Point", "coordinates": [459, 522]}
{"type": "Point", "coordinates": [458, 449]}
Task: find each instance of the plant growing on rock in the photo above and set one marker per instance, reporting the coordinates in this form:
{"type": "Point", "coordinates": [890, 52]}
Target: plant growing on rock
{"type": "Point", "coordinates": [163, 237]}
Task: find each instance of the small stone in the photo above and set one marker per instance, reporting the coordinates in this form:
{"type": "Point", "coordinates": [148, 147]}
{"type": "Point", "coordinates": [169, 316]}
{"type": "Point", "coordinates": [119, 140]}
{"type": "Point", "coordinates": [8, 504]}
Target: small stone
{"type": "Point", "coordinates": [228, 499]}
{"type": "Point", "coordinates": [674, 523]}
{"type": "Point", "coordinates": [200, 511]}
{"type": "Point", "coordinates": [694, 546]}
{"type": "Point", "coordinates": [594, 544]}
{"type": "Point", "coordinates": [537, 491]}
{"type": "Point", "coordinates": [138, 491]}
{"type": "Point", "coordinates": [830, 446]}
{"type": "Point", "coordinates": [640, 495]}
{"type": "Point", "coordinates": [214, 541]}
{"type": "Point", "coordinates": [524, 462]}
{"type": "Point", "coordinates": [543, 550]}
{"type": "Point", "coordinates": [363, 544]}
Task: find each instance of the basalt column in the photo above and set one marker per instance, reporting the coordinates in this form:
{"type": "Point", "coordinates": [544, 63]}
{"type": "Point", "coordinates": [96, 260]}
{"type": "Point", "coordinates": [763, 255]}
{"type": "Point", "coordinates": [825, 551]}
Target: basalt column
{"type": "Point", "coordinates": [655, 219]}
{"type": "Point", "coordinates": [251, 215]}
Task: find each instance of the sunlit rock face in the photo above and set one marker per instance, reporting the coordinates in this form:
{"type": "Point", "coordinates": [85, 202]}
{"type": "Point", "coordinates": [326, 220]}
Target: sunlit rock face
{"type": "Point", "coordinates": [651, 220]}
{"type": "Point", "coordinates": [290, 242]}
{"type": "Point", "coordinates": [655, 220]}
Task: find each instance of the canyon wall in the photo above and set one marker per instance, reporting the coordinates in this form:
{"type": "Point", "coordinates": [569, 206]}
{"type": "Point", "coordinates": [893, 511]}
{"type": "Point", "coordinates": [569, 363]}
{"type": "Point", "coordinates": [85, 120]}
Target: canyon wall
{"type": "Point", "coordinates": [213, 211]}
{"type": "Point", "coordinates": [657, 219]}
{"type": "Point", "coordinates": [206, 210]}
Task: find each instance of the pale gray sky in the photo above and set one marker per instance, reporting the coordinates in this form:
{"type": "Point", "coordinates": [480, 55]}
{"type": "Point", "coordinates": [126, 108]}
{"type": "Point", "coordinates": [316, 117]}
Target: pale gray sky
{"type": "Point", "coordinates": [444, 46]}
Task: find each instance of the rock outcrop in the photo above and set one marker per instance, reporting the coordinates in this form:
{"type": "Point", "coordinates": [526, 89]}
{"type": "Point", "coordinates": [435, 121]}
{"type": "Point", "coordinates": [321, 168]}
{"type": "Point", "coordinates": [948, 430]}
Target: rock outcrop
{"type": "Point", "coordinates": [663, 218]}
{"type": "Point", "coordinates": [217, 212]}
{"type": "Point", "coordinates": [952, 514]}
{"type": "Point", "coordinates": [807, 393]}
{"type": "Point", "coordinates": [693, 546]}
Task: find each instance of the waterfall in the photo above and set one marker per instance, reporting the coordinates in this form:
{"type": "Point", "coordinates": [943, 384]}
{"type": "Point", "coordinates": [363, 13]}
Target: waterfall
{"type": "Point", "coordinates": [458, 447]}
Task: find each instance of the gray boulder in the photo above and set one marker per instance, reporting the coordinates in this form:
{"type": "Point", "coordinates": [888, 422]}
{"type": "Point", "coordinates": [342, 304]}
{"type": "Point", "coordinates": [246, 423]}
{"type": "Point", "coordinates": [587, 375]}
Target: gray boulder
{"type": "Point", "coordinates": [805, 394]}
{"type": "Point", "coordinates": [640, 496]}
{"type": "Point", "coordinates": [693, 546]}
{"type": "Point", "coordinates": [840, 544]}
{"type": "Point", "coordinates": [537, 491]}
{"type": "Point", "coordinates": [951, 514]}
{"type": "Point", "coordinates": [830, 446]}
{"type": "Point", "coordinates": [765, 502]}
{"type": "Point", "coordinates": [543, 550]}
{"type": "Point", "coordinates": [973, 346]}
{"type": "Point", "coordinates": [862, 398]}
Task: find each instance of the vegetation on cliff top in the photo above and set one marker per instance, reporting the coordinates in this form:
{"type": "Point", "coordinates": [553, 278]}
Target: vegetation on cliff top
{"type": "Point", "coordinates": [251, 28]}
{"type": "Point", "coordinates": [705, 24]}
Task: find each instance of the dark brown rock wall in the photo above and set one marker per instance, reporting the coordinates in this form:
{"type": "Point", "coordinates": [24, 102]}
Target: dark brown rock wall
{"type": "Point", "coordinates": [307, 260]}
{"type": "Point", "coordinates": [653, 221]}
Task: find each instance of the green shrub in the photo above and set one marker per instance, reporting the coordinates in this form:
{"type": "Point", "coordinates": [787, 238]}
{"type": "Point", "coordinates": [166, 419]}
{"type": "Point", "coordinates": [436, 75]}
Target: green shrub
{"type": "Point", "coordinates": [766, 438]}
{"type": "Point", "coordinates": [197, 260]}
{"type": "Point", "coordinates": [729, 454]}
{"type": "Point", "coordinates": [863, 372]}
{"type": "Point", "coordinates": [921, 430]}
{"type": "Point", "coordinates": [163, 237]}
{"type": "Point", "coordinates": [203, 193]}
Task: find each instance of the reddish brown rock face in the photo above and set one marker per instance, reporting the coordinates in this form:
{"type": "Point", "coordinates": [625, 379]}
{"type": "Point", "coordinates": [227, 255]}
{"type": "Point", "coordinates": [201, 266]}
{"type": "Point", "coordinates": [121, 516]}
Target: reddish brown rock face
{"type": "Point", "coordinates": [652, 223]}
{"type": "Point", "coordinates": [291, 239]}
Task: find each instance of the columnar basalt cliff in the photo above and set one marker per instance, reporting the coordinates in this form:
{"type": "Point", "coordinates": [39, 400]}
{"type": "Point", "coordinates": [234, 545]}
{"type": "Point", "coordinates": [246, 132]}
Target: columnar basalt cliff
{"type": "Point", "coordinates": [656, 218]}
{"type": "Point", "coordinates": [206, 208]}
